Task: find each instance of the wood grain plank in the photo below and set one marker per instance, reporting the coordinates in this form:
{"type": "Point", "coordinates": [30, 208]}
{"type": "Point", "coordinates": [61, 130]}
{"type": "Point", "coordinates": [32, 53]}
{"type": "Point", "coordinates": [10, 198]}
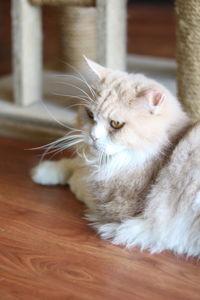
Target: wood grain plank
{"type": "Point", "coordinates": [48, 251]}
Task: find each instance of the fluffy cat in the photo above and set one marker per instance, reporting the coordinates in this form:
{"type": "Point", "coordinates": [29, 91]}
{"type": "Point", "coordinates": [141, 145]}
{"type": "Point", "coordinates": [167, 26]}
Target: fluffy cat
{"type": "Point", "coordinates": [138, 164]}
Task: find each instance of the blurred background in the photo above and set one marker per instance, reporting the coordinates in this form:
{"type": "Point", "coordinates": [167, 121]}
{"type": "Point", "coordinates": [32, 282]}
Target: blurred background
{"type": "Point", "coordinates": [151, 32]}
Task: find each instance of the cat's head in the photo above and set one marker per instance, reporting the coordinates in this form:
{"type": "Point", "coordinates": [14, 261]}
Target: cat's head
{"type": "Point", "coordinates": [126, 112]}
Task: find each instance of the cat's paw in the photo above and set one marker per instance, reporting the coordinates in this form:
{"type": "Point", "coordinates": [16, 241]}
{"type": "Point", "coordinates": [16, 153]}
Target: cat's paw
{"type": "Point", "coordinates": [49, 173]}
{"type": "Point", "coordinates": [130, 233]}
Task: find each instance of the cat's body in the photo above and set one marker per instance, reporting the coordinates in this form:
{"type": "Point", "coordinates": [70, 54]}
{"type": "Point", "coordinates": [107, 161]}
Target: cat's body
{"type": "Point", "coordinates": [139, 173]}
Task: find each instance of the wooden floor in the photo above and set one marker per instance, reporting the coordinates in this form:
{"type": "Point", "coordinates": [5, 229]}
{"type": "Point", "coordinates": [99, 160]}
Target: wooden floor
{"type": "Point", "coordinates": [47, 250]}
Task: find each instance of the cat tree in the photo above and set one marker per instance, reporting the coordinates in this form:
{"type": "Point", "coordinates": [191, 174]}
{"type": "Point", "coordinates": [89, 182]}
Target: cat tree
{"type": "Point", "coordinates": [103, 40]}
{"type": "Point", "coordinates": [96, 28]}
{"type": "Point", "coordinates": [78, 17]}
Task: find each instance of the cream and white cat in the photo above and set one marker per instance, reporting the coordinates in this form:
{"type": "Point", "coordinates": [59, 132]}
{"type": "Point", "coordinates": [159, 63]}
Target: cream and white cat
{"type": "Point", "coordinates": [138, 164]}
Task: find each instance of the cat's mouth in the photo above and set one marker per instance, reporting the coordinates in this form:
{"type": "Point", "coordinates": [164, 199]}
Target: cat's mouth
{"type": "Point", "coordinates": [108, 150]}
{"type": "Point", "coordinates": [97, 147]}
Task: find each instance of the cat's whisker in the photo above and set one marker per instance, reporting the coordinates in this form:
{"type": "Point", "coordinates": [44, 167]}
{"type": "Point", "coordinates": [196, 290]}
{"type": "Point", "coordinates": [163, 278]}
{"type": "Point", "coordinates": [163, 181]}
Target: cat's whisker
{"type": "Point", "coordinates": [60, 147]}
{"type": "Point", "coordinates": [47, 151]}
{"type": "Point", "coordinates": [104, 158]}
{"type": "Point", "coordinates": [80, 79]}
{"type": "Point", "coordinates": [101, 159]}
{"type": "Point", "coordinates": [78, 88]}
{"type": "Point", "coordinates": [54, 118]}
{"type": "Point", "coordinates": [66, 145]}
{"type": "Point", "coordinates": [86, 159]}
{"type": "Point", "coordinates": [66, 140]}
{"type": "Point", "coordinates": [57, 151]}
{"type": "Point", "coordinates": [77, 72]}
{"type": "Point", "coordinates": [67, 136]}
{"type": "Point", "coordinates": [74, 105]}
{"type": "Point", "coordinates": [46, 145]}
{"type": "Point", "coordinates": [77, 151]}
{"type": "Point", "coordinates": [57, 143]}
{"type": "Point", "coordinates": [73, 97]}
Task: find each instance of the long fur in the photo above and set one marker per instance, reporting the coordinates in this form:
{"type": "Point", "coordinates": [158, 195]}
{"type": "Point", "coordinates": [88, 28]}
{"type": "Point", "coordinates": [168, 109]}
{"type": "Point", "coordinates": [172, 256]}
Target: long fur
{"type": "Point", "coordinates": [141, 182]}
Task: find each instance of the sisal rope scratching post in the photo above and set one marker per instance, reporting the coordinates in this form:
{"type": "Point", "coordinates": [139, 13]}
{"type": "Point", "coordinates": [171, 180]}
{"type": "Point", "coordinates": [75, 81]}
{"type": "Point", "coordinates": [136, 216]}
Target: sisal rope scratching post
{"type": "Point", "coordinates": [77, 28]}
{"type": "Point", "coordinates": [78, 35]}
{"type": "Point", "coordinates": [188, 55]}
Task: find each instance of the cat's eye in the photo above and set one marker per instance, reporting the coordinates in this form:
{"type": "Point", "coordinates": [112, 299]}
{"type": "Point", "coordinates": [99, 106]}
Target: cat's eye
{"type": "Point", "coordinates": [116, 124]}
{"type": "Point", "coordinates": [90, 114]}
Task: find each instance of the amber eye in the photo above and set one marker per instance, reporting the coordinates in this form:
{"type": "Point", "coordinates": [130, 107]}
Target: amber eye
{"type": "Point", "coordinates": [116, 124]}
{"type": "Point", "coordinates": [90, 114]}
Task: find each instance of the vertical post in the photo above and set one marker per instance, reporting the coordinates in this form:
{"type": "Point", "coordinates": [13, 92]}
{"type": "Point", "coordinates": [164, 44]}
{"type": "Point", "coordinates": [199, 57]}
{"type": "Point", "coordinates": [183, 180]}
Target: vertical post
{"type": "Point", "coordinates": [27, 52]}
{"type": "Point", "coordinates": [78, 35]}
{"type": "Point", "coordinates": [188, 55]}
{"type": "Point", "coordinates": [111, 33]}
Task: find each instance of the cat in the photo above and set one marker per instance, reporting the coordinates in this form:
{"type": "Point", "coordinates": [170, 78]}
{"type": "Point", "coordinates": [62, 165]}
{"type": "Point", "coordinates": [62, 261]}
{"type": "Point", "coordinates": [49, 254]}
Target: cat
{"type": "Point", "coordinates": [138, 163]}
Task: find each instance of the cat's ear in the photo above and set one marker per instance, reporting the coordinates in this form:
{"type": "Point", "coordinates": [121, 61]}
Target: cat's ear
{"type": "Point", "coordinates": [155, 100]}
{"type": "Point", "coordinates": [99, 70]}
